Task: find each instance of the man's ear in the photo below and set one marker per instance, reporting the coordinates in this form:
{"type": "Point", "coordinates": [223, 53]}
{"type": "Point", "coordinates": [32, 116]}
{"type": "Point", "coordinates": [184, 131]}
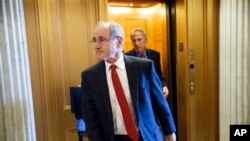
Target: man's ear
{"type": "Point", "coordinates": [119, 40]}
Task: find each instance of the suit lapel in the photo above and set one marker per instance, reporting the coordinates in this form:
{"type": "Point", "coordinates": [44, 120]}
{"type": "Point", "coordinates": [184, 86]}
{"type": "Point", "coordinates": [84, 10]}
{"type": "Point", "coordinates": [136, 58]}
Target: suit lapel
{"type": "Point", "coordinates": [103, 90]}
{"type": "Point", "coordinates": [133, 81]}
{"type": "Point", "coordinates": [149, 55]}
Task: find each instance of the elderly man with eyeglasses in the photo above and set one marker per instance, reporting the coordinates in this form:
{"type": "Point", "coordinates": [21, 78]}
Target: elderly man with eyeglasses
{"type": "Point", "coordinates": [120, 91]}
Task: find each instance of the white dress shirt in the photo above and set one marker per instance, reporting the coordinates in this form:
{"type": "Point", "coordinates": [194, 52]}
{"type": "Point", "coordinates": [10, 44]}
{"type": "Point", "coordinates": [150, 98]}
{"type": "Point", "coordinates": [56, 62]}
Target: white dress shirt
{"type": "Point", "coordinates": [119, 127]}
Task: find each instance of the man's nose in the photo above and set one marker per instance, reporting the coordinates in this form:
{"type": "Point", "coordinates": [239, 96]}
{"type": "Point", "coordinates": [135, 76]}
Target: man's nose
{"type": "Point", "coordinates": [137, 42]}
{"type": "Point", "coordinates": [97, 46]}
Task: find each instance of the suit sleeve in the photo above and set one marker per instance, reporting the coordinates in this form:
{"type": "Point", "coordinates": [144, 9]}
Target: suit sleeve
{"type": "Point", "coordinates": [90, 116]}
{"type": "Point", "coordinates": [161, 105]}
{"type": "Point", "coordinates": [158, 68]}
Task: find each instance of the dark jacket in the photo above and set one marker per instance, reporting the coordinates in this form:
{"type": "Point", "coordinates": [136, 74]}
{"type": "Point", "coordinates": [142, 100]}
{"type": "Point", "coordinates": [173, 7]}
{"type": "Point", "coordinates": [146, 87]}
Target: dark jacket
{"type": "Point", "coordinates": [155, 57]}
{"type": "Point", "coordinates": [145, 93]}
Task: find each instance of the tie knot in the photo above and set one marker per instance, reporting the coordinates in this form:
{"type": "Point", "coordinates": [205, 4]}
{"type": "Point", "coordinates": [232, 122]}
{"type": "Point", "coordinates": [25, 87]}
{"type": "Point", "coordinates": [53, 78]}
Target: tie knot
{"type": "Point", "coordinates": [141, 55]}
{"type": "Point", "coordinates": [113, 67]}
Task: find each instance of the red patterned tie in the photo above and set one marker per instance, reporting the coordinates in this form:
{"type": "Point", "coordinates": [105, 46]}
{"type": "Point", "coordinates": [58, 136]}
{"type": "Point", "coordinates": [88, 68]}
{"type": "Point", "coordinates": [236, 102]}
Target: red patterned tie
{"type": "Point", "coordinates": [126, 113]}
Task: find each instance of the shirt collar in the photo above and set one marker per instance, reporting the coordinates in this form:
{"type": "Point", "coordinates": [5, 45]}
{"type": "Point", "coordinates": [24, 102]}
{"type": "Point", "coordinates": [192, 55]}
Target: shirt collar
{"type": "Point", "coordinates": [138, 54]}
{"type": "Point", "coordinates": [119, 63]}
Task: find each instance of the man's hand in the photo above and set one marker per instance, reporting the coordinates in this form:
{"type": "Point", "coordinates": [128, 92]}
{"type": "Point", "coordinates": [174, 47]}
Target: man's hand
{"type": "Point", "coordinates": [170, 137]}
{"type": "Point", "coordinates": [165, 91]}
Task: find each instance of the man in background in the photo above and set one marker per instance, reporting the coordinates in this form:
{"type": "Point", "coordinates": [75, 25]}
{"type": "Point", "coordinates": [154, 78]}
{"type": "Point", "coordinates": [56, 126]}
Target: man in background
{"type": "Point", "coordinates": [138, 37]}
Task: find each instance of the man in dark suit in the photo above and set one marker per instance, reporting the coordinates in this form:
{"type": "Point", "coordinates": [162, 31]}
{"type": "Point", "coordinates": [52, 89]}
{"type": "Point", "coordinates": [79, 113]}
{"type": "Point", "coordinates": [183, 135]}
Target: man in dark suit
{"type": "Point", "coordinates": [138, 37]}
{"type": "Point", "coordinates": [134, 80]}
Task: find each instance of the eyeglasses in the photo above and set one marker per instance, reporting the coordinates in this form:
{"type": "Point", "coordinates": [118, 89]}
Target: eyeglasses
{"type": "Point", "coordinates": [100, 40]}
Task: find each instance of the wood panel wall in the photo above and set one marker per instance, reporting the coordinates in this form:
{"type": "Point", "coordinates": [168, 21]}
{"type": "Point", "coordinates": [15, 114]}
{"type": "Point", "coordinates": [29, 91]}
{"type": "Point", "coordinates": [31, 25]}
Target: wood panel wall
{"type": "Point", "coordinates": [58, 33]}
{"type": "Point", "coordinates": [197, 70]}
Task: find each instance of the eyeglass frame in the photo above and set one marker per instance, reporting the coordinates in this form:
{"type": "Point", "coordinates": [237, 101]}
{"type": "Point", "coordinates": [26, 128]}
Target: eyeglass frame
{"type": "Point", "coordinates": [101, 40]}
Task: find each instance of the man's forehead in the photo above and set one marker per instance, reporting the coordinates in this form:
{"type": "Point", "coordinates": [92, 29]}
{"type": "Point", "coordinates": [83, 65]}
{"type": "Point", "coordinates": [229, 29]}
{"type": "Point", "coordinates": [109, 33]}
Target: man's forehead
{"type": "Point", "coordinates": [137, 35]}
{"type": "Point", "coordinates": [101, 30]}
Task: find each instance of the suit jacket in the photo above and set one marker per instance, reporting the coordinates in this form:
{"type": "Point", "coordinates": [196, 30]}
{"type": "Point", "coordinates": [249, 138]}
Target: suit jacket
{"type": "Point", "coordinates": [146, 92]}
{"type": "Point", "coordinates": [155, 57]}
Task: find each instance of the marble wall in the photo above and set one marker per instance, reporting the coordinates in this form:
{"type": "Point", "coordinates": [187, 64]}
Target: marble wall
{"type": "Point", "coordinates": [234, 64]}
{"type": "Point", "coordinates": [17, 114]}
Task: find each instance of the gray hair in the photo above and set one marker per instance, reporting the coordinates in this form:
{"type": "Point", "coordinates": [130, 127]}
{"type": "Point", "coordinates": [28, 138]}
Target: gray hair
{"type": "Point", "coordinates": [138, 30]}
{"type": "Point", "coordinates": [115, 28]}
{"type": "Point", "coordinates": [116, 31]}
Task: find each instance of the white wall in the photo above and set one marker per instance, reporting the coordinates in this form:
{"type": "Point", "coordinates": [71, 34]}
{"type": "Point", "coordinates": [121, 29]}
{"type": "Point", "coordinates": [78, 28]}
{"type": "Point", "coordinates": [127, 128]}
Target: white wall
{"type": "Point", "coordinates": [234, 64]}
{"type": "Point", "coordinates": [16, 106]}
